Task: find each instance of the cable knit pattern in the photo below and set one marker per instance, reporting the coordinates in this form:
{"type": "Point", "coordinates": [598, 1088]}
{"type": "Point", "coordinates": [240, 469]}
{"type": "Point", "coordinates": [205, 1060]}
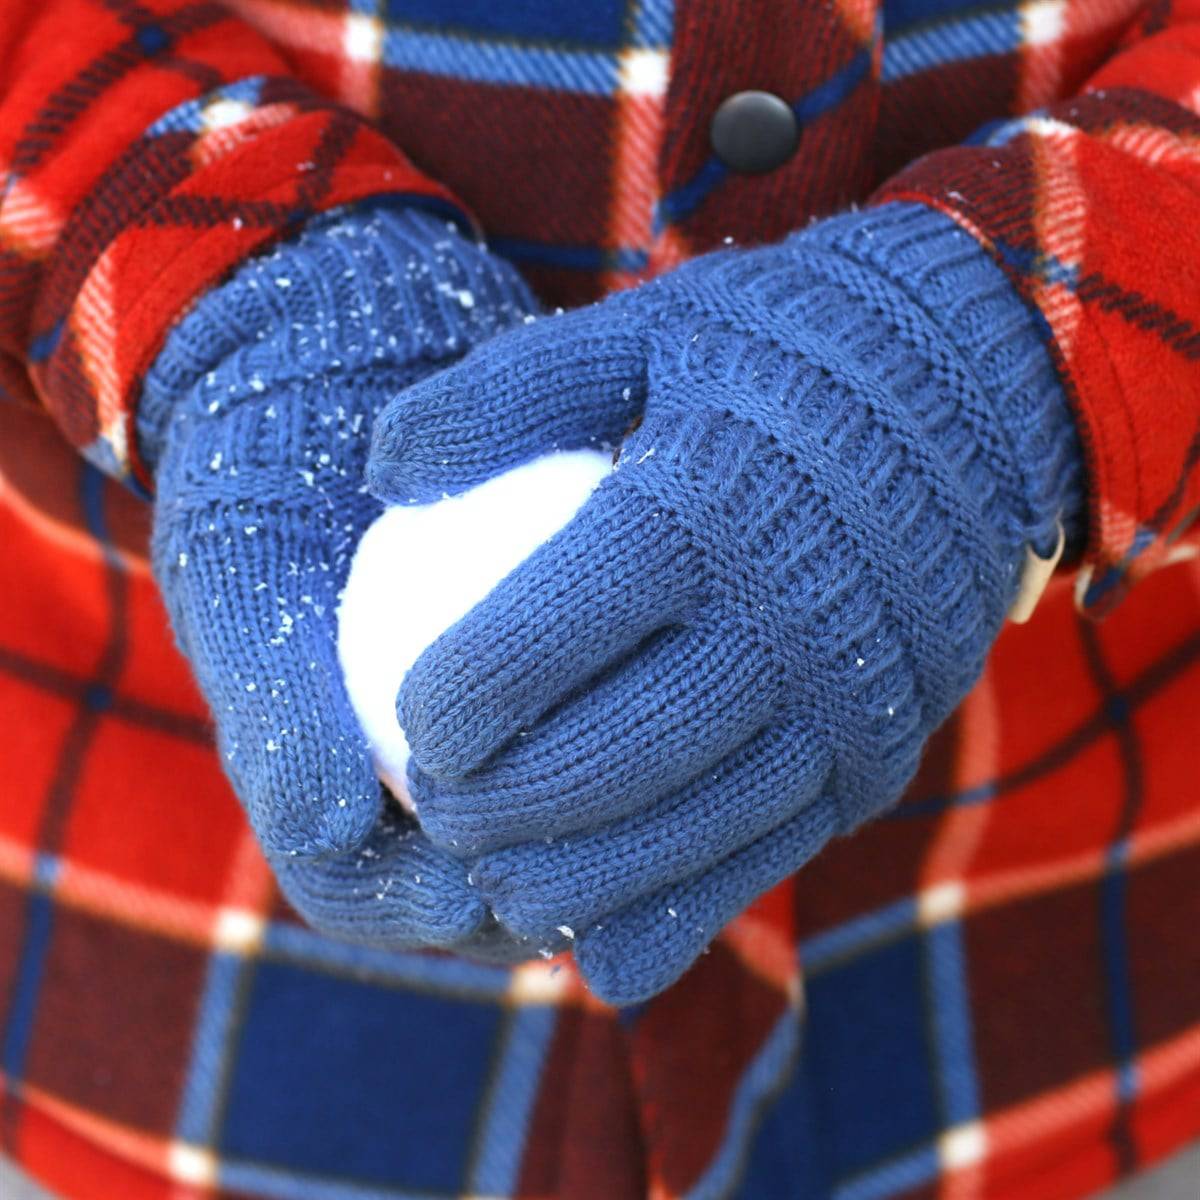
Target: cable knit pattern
{"type": "Point", "coordinates": [740, 646]}
{"type": "Point", "coordinates": [257, 416]}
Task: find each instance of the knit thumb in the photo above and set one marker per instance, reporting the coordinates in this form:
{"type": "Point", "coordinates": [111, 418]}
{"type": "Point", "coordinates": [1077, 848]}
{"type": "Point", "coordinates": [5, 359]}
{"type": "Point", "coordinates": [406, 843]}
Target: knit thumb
{"type": "Point", "coordinates": [556, 383]}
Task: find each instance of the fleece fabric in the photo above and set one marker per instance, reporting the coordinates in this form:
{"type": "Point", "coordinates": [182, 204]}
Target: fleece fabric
{"type": "Point", "coordinates": [986, 991]}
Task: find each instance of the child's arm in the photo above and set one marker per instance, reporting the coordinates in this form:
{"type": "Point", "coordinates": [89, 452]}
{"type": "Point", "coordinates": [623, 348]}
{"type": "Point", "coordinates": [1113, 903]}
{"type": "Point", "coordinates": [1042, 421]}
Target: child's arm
{"type": "Point", "coordinates": [146, 150]}
{"type": "Point", "coordinates": [1092, 207]}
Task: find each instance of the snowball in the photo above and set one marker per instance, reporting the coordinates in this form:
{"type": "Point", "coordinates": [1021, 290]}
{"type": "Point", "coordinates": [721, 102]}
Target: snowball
{"type": "Point", "coordinates": [420, 568]}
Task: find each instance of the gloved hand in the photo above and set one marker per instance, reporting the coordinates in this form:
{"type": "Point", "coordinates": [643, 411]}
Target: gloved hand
{"type": "Point", "coordinates": [256, 419]}
{"type": "Point", "coordinates": [740, 645]}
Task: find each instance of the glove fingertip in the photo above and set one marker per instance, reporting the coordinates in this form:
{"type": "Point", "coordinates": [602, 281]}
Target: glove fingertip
{"type": "Point", "coordinates": [388, 471]}
{"type": "Point", "coordinates": [411, 465]}
{"type": "Point", "coordinates": [394, 482]}
{"type": "Point", "coordinates": [445, 744]}
{"type": "Point", "coordinates": [450, 920]}
{"type": "Point", "coordinates": [317, 826]}
{"type": "Point", "coordinates": [622, 975]}
{"type": "Point", "coordinates": [347, 825]}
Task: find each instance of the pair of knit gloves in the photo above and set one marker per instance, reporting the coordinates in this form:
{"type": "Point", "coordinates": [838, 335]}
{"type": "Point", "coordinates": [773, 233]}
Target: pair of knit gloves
{"type": "Point", "coordinates": [735, 651]}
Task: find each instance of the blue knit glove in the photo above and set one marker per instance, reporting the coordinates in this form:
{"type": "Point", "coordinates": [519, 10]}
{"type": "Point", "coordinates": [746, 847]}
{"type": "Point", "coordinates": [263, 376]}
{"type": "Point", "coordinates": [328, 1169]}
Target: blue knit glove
{"type": "Point", "coordinates": [738, 648]}
{"type": "Point", "coordinates": [257, 417]}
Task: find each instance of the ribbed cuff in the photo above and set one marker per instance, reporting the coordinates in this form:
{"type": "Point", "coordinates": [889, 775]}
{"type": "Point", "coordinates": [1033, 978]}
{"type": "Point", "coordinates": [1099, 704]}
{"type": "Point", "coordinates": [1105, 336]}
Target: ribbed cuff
{"type": "Point", "coordinates": [358, 289]}
{"type": "Point", "coordinates": [950, 278]}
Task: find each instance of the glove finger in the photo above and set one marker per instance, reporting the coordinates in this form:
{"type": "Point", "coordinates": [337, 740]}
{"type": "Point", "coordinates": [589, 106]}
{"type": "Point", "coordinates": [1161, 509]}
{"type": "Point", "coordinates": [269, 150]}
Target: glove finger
{"type": "Point", "coordinates": [262, 642]}
{"type": "Point", "coordinates": [538, 887]}
{"type": "Point", "coordinates": [397, 890]}
{"type": "Point", "coordinates": [562, 382]}
{"type": "Point", "coordinates": [635, 953]}
{"type": "Point", "coordinates": [683, 703]}
{"type": "Point", "coordinates": [619, 572]}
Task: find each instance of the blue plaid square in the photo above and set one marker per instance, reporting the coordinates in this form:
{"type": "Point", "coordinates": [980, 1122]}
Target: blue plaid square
{"type": "Point", "coordinates": [867, 1037]}
{"type": "Point", "coordinates": [596, 23]}
{"type": "Point", "coordinates": [331, 1071]}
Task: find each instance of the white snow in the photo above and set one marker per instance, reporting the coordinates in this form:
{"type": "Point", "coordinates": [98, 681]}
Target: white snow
{"type": "Point", "coordinates": [421, 568]}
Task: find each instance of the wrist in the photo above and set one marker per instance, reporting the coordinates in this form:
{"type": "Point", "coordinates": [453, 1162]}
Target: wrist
{"type": "Point", "coordinates": [372, 289]}
{"type": "Point", "coordinates": [1010, 394]}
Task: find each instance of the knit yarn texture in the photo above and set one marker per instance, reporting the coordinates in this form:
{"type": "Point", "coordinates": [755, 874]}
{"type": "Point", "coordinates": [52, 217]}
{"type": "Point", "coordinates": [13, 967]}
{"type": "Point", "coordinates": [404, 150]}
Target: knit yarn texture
{"type": "Point", "coordinates": [740, 646]}
{"type": "Point", "coordinates": [257, 416]}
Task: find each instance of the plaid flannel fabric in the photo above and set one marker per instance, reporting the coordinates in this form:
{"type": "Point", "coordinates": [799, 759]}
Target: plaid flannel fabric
{"type": "Point", "coordinates": [1002, 984]}
{"type": "Point", "coordinates": [145, 148]}
{"type": "Point", "coordinates": [169, 1029]}
{"type": "Point", "coordinates": [1070, 199]}
{"type": "Point", "coordinates": [610, 177]}
{"type": "Point", "coordinates": [1001, 991]}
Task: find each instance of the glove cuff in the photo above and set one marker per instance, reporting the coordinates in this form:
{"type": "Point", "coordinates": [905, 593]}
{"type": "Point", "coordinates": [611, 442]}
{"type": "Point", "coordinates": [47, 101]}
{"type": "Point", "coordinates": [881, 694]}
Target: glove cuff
{"type": "Point", "coordinates": [951, 280]}
{"type": "Point", "coordinates": [357, 289]}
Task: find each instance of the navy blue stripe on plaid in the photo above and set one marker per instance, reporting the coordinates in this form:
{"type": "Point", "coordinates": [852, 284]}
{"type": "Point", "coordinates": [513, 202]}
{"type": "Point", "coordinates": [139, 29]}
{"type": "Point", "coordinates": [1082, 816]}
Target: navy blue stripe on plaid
{"type": "Point", "coordinates": [557, 47]}
{"type": "Point", "coordinates": [17, 1029]}
{"type": "Point", "coordinates": [1136, 694]}
{"type": "Point", "coordinates": [954, 38]}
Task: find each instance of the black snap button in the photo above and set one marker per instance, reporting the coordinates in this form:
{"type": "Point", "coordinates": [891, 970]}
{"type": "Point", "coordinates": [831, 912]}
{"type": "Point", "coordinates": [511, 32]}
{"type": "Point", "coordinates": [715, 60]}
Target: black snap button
{"type": "Point", "coordinates": [754, 132]}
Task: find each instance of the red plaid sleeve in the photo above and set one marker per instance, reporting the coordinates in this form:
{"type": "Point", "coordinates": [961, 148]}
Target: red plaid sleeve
{"type": "Point", "coordinates": [146, 146]}
{"type": "Point", "coordinates": [1092, 206]}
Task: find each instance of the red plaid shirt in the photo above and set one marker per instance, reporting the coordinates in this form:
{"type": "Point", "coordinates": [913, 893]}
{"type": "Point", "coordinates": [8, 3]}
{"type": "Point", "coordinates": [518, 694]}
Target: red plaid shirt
{"type": "Point", "coordinates": [1000, 993]}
